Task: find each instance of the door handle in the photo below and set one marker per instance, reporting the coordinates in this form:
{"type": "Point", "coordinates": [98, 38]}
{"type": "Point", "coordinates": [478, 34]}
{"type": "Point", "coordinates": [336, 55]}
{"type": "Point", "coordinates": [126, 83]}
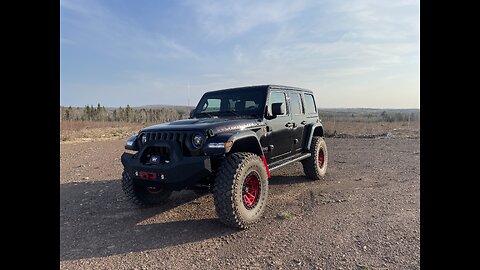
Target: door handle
{"type": "Point", "coordinates": [289, 124]}
{"type": "Point", "coordinates": [303, 122]}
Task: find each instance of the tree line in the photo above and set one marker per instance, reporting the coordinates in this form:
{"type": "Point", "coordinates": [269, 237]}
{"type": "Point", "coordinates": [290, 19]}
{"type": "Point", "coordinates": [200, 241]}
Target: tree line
{"type": "Point", "coordinates": [127, 114]}
{"type": "Point", "coordinates": [399, 117]}
{"type": "Point", "coordinates": [370, 116]}
{"type": "Point", "coordinates": [167, 114]}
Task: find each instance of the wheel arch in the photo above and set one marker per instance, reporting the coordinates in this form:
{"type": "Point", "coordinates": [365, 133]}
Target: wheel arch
{"type": "Point", "coordinates": [245, 141]}
{"type": "Point", "coordinates": [315, 130]}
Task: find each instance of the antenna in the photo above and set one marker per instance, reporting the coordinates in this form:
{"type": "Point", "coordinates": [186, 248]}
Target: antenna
{"type": "Point", "coordinates": [188, 94]}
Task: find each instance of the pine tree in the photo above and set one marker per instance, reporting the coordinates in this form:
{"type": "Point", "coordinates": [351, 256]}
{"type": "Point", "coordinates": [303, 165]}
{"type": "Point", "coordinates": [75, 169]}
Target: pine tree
{"type": "Point", "coordinates": [128, 113]}
{"type": "Point", "coordinates": [67, 114]}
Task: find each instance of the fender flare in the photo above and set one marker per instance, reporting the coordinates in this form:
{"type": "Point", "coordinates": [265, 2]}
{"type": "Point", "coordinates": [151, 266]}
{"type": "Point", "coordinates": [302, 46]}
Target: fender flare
{"type": "Point", "coordinates": [245, 141]}
{"type": "Point", "coordinates": [315, 130]}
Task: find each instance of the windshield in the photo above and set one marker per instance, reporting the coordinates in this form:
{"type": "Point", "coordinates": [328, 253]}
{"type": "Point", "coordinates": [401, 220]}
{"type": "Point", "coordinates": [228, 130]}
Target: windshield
{"type": "Point", "coordinates": [240, 102]}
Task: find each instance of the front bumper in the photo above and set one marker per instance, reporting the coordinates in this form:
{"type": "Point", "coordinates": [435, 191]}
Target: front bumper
{"type": "Point", "coordinates": [180, 173]}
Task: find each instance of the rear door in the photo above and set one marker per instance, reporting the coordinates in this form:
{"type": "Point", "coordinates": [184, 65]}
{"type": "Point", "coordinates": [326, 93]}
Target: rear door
{"type": "Point", "coordinates": [311, 114]}
{"type": "Point", "coordinates": [297, 112]}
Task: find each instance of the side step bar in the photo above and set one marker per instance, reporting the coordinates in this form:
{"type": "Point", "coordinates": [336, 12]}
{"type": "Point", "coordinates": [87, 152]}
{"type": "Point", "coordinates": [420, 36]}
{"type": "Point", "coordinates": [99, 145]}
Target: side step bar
{"type": "Point", "coordinates": [290, 161]}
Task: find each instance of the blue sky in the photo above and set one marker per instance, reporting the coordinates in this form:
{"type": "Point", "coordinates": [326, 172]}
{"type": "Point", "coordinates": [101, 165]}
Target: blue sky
{"type": "Point", "coordinates": [350, 53]}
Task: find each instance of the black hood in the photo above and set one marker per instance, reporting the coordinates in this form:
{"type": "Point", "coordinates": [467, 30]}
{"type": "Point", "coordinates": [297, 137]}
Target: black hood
{"type": "Point", "coordinates": [218, 125]}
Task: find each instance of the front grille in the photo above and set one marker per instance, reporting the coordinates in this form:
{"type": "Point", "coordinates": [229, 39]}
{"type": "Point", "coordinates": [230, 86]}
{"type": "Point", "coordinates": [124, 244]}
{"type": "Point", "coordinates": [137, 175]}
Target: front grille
{"type": "Point", "coordinates": [179, 137]}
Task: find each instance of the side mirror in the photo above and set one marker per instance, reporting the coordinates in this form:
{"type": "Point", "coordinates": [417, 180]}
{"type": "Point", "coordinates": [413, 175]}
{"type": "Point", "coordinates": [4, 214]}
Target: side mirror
{"type": "Point", "coordinates": [278, 109]}
{"type": "Point", "coordinates": [191, 113]}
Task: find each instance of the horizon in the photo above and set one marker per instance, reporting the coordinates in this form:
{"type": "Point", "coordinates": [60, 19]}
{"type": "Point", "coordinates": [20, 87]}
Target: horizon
{"type": "Point", "coordinates": [170, 105]}
{"type": "Point", "coordinates": [351, 54]}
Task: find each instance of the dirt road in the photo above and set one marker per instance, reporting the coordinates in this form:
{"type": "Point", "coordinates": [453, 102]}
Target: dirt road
{"type": "Point", "coordinates": [364, 215]}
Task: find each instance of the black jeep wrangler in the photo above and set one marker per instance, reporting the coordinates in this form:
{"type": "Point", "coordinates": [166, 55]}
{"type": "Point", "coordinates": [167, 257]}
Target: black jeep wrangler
{"type": "Point", "coordinates": [232, 141]}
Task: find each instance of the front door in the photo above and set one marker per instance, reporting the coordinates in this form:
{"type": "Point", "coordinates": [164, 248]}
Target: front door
{"type": "Point", "coordinates": [279, 133]}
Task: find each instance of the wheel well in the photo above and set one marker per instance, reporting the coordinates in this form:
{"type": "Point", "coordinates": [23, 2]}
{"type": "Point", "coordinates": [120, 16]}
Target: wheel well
{"type": "Point", "coordinates": [318, 131]}
{"type": "Point", "coordinates": [248, 144]}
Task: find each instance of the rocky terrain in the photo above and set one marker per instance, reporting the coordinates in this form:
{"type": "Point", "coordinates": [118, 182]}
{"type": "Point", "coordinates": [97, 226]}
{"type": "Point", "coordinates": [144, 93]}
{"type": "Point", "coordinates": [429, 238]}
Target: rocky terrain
{"type": "Point", "coordinates": [364, 215]}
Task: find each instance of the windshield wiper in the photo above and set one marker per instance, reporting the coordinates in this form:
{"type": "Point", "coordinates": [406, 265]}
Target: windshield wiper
{"type": "Point", "coordinates": [232, 112]}
{"type": "Point", "coordinates": [206, 113]}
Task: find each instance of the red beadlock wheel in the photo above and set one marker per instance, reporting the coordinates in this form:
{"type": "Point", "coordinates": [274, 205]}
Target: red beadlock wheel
{"type": "Point", "coordinates": [251, 191]}
{"type": "Point", "coordinates": [321, 158]}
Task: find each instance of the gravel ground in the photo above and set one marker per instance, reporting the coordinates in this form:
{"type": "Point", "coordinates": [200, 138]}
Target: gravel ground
{"type": "Point", "coordinates": [364, 215]}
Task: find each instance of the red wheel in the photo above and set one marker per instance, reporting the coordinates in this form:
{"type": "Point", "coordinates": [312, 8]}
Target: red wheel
{"type": "Point", "coordinates": [321, 158]}
{"type": "Point", "coordinates": [315, 167]}
{"type": "Point", "coordinates": [251, 190]}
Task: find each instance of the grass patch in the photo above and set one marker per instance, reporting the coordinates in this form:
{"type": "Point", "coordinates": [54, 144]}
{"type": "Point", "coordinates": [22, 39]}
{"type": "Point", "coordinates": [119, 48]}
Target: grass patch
{"type": "Point", "coordinates": [397, 129]}
{"type": "Point", "coordinates": [76, 131]}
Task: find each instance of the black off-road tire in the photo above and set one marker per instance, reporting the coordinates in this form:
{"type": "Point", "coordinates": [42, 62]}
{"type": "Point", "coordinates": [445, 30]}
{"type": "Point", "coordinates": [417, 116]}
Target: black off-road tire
{"type": "Point", "coordinates": [311, 165]}
{"type": "Point", "coordinates": [200, 192]}
{"type": "Point", "coordinates": [229, 190]}
{"type": "Point", "coordinates": [140, 195]}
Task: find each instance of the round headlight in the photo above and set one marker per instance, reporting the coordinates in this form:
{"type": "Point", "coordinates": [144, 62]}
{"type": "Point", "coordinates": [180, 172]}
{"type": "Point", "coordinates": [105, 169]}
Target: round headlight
{"type": "Point", "coordinates": [198, 140]}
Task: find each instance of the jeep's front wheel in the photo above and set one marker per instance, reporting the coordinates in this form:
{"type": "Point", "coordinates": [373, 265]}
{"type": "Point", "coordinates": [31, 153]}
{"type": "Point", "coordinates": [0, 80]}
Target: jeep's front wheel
{"type": "Point", "coordinates": [141, 195]}
{"type": "Point", "coordinates": [241, 190]}
{"type": "Point", "coordinates": [315, 167]}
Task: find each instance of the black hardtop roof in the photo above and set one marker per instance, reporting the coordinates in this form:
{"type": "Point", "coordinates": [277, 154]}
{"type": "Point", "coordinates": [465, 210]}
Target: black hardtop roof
{"type": "Point", "coordinates": [264, 88]}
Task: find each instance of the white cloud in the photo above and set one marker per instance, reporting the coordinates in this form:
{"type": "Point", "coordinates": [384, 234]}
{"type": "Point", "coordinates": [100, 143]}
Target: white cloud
{"type": "Point", "coordinates": [355, 49]}
{"type": "Point", "coordinates": [239, 55]}
{"type": "Point", "coordinates": [350, 37]}
{"type": "Point", "coordinates": [230, 18]}
{"type": "Point", "coordinates": [350, 49]}
{"type": "Point", "coordinates": [97, 27]}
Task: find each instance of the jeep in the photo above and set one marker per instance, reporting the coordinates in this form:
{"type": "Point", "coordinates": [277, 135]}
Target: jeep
{"type": "Point", "coordinates": [232, 141]}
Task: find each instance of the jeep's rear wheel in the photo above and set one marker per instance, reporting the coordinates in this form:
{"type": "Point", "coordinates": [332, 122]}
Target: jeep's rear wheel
{"type": "Point", "coordinates": [315, 167]}
{"type": "Point", "coordinates": [241, 190]}
{"type": "Point", "coordinates": [141, 195]}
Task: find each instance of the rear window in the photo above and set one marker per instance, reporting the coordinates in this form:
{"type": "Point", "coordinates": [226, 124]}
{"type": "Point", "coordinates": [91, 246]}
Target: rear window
{"type": "Point", "coordinates": [296, 103]}
{"type": "Point", "coordinates": [310, 104]}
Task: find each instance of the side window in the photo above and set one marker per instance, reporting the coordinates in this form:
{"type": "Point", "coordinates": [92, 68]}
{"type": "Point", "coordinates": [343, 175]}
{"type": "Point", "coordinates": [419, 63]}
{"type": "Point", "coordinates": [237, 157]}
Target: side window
{"type": "Point", "coordinates": [296, 104]}
{"type": "Point", "coordinates": [277, 97]}
{"type": "Point", "coordinates": [310, 106]}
